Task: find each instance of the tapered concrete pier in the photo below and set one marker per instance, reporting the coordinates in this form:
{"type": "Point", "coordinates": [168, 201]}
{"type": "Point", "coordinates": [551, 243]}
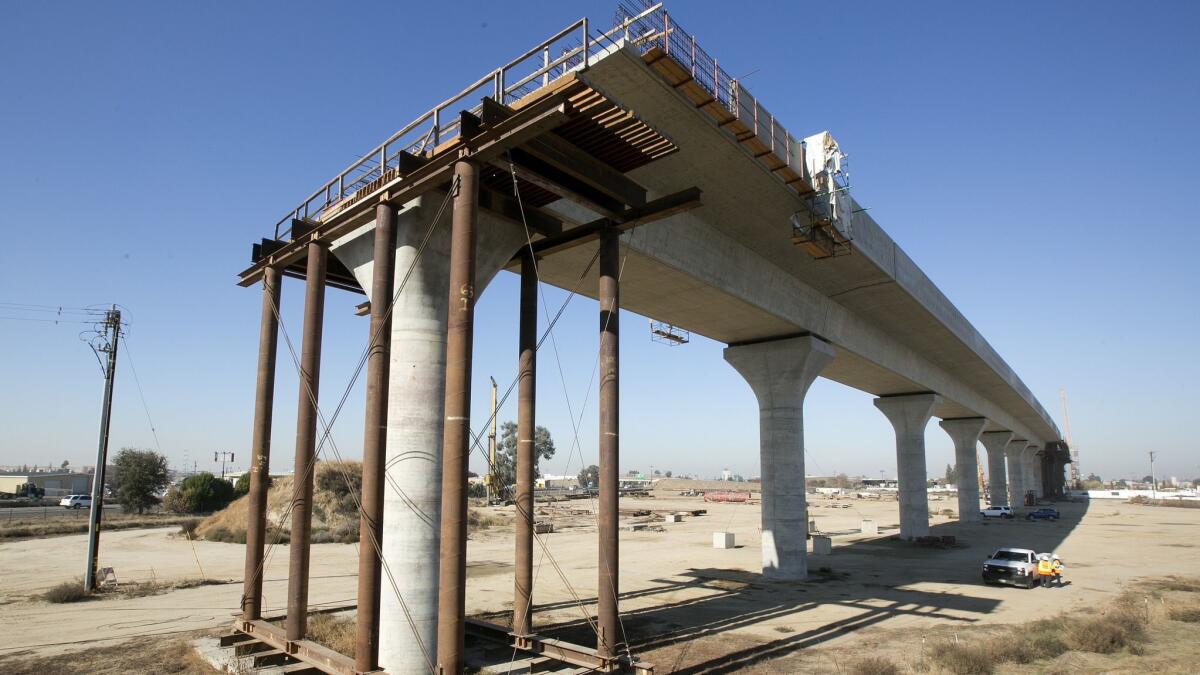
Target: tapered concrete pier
{"type": "Point", "coordinates": [909, 414]}
{"type": "Point", "coordinates": [1015, 453]}
{"type": "Point", "coordinates": [780, 373]}
{"type": "Point", "coordinates": [995, 442]}
{"type": "Point", "coordinates": [965, 434]}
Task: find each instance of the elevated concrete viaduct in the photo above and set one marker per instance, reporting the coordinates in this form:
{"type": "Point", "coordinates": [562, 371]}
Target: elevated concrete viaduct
{"type": "Point", "coordinates": [623, 165]}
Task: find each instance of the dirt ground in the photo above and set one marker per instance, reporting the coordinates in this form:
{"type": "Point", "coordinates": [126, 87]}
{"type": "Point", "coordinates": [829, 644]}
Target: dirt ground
{"type": "Point", "coordinates": [678, 593]}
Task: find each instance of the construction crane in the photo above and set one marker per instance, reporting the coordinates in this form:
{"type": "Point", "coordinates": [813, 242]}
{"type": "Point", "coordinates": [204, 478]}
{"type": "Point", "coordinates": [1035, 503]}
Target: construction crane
{"type": "Point", "coordinates": [1075, 480]}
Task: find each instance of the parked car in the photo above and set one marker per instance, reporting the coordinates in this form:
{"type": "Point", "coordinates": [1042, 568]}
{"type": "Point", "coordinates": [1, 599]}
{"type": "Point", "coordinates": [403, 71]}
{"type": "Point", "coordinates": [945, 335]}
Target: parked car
{"type": "Point", "coordinates": [1016, 566]}
{"type": "Point", "coordinates": [76, 501]}
{"type": "Point", "coordinates": [1005, 512]}
{"type": "Point", "coordinates": [1042, 514]}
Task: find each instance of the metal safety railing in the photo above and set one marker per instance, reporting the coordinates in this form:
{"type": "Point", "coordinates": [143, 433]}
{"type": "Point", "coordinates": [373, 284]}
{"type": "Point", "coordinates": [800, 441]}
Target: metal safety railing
{"type": "Point", "coordinates": [648, 26]}
{"type": "Point", "coordinates": [572, 48]}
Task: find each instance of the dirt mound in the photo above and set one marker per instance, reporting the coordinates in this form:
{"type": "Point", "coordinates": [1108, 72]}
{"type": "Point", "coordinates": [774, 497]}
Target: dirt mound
{"type": "Point", "coordinates": [335, 518]}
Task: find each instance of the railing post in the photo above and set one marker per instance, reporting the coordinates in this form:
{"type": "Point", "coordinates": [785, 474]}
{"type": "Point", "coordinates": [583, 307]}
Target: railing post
{"type": "Point", "coordinates": [585, 44]}
{"type": "Point", "coordinates": [545, 66]}
{"type": "Point", "coordinates": [666, 33]}
{"type": "Point", "coordinates": [693, 57]}
{"type": "Point", "coordinates": [437, 127]}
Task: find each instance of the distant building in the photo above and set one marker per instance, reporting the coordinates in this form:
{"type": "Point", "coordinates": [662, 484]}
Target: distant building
{"type": "Point", "coordinates": [54, 483]}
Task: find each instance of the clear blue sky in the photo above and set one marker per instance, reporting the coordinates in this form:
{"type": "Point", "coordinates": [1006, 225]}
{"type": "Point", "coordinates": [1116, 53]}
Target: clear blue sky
{"type": "Point", "coordinates": [1035, 159]}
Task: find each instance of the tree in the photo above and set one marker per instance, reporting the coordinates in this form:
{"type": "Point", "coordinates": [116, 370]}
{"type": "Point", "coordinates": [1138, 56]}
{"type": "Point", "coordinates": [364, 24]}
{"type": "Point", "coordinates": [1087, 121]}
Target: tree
{"type": "Point", "coordinates": [589, 477]}
{"type": "Point", "coordinates": [1147, 478]}
{"type": "Point", "coordinates": [951, 474]}
{"type": "Point", "coordinates": [505, 471]}
{"type": "Point", "coordinates": [138, 477]}
{"type": "Point", "coordinates": [201, 493]}
{"type": "Point", "coordinates": [668, 474]}
{"type": "Point", "coordinates": [1093, 477]}
{"type": "Point", "coordinates": [65, 464]}
{"type": "Point", "coordinates": [242, 486]}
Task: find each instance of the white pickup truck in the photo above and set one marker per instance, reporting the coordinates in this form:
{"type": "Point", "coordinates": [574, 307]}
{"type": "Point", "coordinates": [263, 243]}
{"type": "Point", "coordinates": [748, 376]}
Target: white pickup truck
{"type": "Point", "coordinates": [1011, 566]}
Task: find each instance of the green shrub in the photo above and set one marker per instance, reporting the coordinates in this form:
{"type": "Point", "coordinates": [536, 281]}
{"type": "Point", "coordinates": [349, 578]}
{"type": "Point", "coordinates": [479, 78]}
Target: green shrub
{"type": "Point", "coordinates": [201, 493]}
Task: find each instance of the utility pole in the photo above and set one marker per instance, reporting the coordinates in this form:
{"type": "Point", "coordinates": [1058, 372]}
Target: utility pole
{"type": "Point", "coordinates": [1153, 483]}
{"type": "Point", "coordinates": [490, 480]}
{"type": "Point", "coordinates": [223, 457]}
{"type": "Point", "coordinates": [105, 342]}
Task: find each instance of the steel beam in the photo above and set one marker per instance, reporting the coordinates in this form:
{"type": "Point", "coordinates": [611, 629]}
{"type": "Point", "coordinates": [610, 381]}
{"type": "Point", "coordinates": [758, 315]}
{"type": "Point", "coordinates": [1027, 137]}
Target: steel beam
{"type": "Point", "coordinates": [306, 436]}
{"type": "Point", "coordinates": [370, 522]}
{"type": "Point", "coordinates": [526, 453]}
{"type": "Point", "coordinates": [260, 445]}
{"type": "Point", "coordinates": [609, 638]}
{"type": "Point", "coordinates": [456, 437]}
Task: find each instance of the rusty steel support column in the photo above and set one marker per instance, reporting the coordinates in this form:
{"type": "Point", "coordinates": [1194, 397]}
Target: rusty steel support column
{"type": "Point", "coordinates": [526, 454]}
{"type": "Point", "coordinates": [260, 445]}
{"type": "Point", "coordinates": [609, 640]}
{"type": "Point", "coordinates": [456, 438]}
{"type": "Point", "coordinates": [306, 438]}
{"type": "Point", "coordinates": [370, 521]}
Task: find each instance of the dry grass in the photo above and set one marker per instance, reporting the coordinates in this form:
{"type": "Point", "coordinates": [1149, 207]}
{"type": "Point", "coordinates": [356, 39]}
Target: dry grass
{"type": "Point", "coordinates": [67, 591]}
{"type": "Point", "coordinates": [873, 665]}
{"type": "Point", "coordinates": [333, 631]}
{"type": "Point", "coordinates": [335, 518]}
{"type": "Point", "coordinates": [1177, 503]}
{"type": "Point", "coordinates": [158, 654]}
{"type": "Point", "coordinates": [36, 529]}
{"type": "Point", "coordinates": [1185, 613]}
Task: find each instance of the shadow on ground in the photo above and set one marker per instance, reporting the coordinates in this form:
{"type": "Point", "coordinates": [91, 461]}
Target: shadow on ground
{"type": "Point", "coordinates": [687, 623]}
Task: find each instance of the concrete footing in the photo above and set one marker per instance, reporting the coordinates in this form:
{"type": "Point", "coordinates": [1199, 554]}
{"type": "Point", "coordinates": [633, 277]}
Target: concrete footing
{"type": "Point", "coordinates": [780, 373]}
{"type": "Point", "coordinates": [909, 414]}
{"type": "Point", "coordinates": [965, 434]}
{"type": "Point", "coordinates": [995, 442]}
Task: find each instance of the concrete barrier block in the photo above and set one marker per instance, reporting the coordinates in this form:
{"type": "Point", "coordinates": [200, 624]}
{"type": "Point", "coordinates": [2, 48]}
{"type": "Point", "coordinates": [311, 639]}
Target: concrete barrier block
{"type": "Point", "coordinates": [869, 527]}
{"type": "Point", "coordinates": [673, 518]}
{"type": "Point", "coordinates": [822, 545]}
{"type": "Point", "coordinates": [722, 540]}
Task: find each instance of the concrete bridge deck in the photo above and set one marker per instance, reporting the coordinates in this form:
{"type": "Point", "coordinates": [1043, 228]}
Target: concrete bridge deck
{"type": "Point", "coordinates": [710, 194]}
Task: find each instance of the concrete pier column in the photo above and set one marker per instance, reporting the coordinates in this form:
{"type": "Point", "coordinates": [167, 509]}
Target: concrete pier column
{"type": "Point", "coordinates": [260, 445]}
{"type": "Point", "coordinates": [780, 373]}
{"type": "Point", "coordinates": [909, 414]}
{"type": "Point", "coordinates": [965, 434]}
{"type": "Point", "coordinates": [306, 440]}
{"type": "Point", "coordinates": [995, 442]}
{"type": "Point", "coordinates": [1014, 453]}
{"type": "Point", "coordinates": [416, 399]}
{"type": "Point", "coordinates": [1033, 463]}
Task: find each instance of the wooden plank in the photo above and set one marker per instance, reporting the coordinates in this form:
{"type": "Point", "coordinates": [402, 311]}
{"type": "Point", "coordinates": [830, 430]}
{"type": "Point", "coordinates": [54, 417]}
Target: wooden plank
{"type": "Point", "coordinates": [559, 153]}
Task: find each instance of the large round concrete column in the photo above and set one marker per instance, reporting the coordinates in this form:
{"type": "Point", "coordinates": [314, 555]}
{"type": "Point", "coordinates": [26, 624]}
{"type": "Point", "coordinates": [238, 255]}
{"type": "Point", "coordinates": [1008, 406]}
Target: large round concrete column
{"type": "Point", "coordinates": [965, 434]}
{"type": "Point", "coordinates": [1033, 470]}
{"type": "Point", "coordinates": [416, 399]}
{"type": "Point", "coordinates": [995, 442]}
{"type": "Point", "coordinates": [909, 414]}
{"type": "Point", "coordinates": [1014, 453]}
{"type": "Point", "coordinates": [780, 373]}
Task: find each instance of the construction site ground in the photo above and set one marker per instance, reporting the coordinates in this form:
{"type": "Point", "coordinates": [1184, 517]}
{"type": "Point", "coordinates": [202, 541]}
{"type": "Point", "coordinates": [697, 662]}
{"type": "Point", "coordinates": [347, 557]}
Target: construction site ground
{"type": "Point", "coordinates": [684, 604]}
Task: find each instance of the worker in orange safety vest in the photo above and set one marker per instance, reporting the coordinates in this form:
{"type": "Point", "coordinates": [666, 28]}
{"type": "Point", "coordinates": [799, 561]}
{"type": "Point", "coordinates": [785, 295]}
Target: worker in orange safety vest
{"type": "Point", "coordinates": [1045, 569]}
{"type": "Point", "coordinates": [1056, 566]}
